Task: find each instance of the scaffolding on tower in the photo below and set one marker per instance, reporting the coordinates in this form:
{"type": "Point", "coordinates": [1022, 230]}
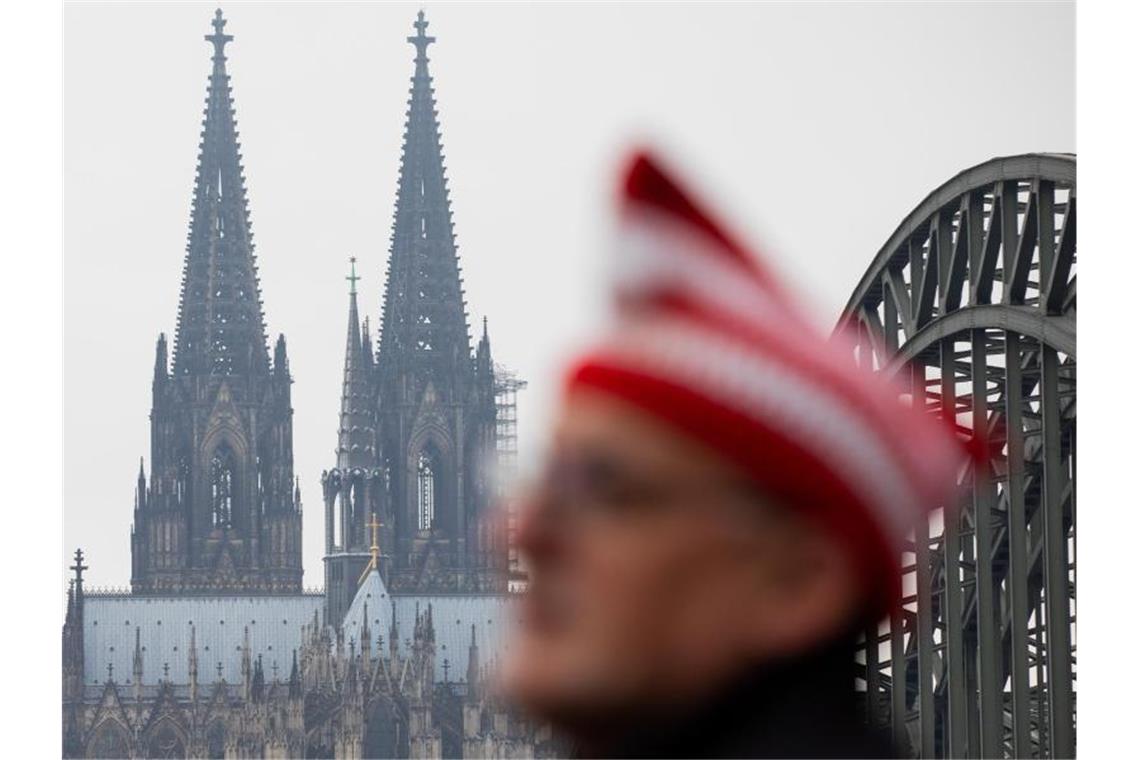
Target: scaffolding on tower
{"type": "Point", "coordinates": [507, 386]}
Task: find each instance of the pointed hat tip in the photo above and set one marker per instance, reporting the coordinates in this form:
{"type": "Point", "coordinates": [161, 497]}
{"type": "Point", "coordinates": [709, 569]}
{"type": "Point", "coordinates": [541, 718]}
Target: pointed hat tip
{"type": "Point", "coordinates": [647, 184]}
{"type": "Point", "coordinates": [645, 180]}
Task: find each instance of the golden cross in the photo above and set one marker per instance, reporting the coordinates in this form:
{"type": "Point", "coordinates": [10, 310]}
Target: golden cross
{"type": "Point", "coordinates": [375, 526]}
{"type": "Point", "coordinates": [374, 550]}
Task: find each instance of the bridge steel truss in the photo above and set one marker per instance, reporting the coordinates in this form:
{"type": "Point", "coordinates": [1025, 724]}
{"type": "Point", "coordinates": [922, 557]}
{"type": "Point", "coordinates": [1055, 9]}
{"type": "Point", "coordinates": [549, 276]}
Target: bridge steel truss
{"type": "Point", "coordinates": [971, 305]}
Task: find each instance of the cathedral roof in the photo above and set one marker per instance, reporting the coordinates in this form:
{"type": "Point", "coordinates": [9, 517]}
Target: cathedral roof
{"type": "Point", "coordinates": [164, 625]}
{"type": "Point", "coordinates": [373, 596]}
{"type": "Point", "coordinates": [452, 618]}
{"type": "Point", "coordinates": [274, 623]}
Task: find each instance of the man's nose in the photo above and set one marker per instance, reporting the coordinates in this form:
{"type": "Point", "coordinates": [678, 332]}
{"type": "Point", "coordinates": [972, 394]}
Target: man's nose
{"type": "Point", "coordinates": [536, 535]}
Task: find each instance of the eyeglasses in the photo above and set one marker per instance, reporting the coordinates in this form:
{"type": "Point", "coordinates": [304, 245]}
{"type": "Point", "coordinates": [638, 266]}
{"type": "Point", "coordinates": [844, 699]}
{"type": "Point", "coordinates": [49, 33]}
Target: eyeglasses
{"type": "Point", "coordinates": [599, 484]}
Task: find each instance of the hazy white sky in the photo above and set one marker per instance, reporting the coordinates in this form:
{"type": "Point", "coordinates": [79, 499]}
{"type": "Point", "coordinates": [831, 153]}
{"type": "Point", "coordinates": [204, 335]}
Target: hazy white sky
{"type": "Point", "coordinates": [814, 127]}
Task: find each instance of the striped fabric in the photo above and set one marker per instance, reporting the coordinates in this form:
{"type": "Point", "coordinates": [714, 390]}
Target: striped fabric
{"type": "Point", "coordinates": [708, 340]}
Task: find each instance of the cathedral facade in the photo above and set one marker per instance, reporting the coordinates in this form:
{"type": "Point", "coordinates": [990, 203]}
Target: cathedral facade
{"type": "Point", "coordinates": [216, 651]}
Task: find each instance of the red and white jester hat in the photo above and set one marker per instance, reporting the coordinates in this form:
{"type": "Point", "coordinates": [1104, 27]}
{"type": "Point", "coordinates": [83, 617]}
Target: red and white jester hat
{"type": "Point", "coordinates": [707, 340]}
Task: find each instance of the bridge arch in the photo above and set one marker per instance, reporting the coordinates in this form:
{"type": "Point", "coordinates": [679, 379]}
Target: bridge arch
{"type": "Point", "coordinates": [971, 305]}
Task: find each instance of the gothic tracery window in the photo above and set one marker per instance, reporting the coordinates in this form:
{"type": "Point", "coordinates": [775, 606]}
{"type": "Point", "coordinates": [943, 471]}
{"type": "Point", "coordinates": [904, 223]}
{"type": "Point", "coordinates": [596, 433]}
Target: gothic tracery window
{"type": "Point", "coordinates": [425, 491]}
{"type": "Point", "coordinates": [110, 740]}
{"type": "Point", "coordinates": [223, 481]}
{"type": "Point", "coordinates": [165, 742]}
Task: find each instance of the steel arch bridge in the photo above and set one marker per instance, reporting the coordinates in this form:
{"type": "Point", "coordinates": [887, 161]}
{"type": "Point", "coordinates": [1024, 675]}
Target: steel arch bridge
{"type": "Point", "coordinates": [972, 305]}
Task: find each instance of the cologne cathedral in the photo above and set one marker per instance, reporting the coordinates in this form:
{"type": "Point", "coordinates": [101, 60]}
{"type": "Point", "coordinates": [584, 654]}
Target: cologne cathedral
{"type": "Point", "coordinates": [216, 650]}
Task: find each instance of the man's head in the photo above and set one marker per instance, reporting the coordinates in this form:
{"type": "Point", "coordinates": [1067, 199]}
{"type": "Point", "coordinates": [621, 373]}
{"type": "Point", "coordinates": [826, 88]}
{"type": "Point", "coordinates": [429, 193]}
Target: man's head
{"type": "Point", "coordinates": [726, 487]}
{"type": "Point", "coordinates": [657, 570]}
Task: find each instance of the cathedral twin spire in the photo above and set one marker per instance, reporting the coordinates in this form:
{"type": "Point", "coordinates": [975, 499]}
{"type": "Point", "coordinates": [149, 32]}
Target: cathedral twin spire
{"type": "Point", "coordinates": [221, 325]}
{"type": "Point", "coordinates": [424, 312]}
{"type": "Point", "coordinates": [424, 307]}
{"type": "Point", "coordinates": [221, 328]}
{"type": "Point", "coordinates": [222, 481]}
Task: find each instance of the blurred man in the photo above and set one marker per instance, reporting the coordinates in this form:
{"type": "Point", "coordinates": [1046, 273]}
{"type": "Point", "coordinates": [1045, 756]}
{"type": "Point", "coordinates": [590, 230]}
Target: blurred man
{"type": "Point", "coordinates": [721, 514]}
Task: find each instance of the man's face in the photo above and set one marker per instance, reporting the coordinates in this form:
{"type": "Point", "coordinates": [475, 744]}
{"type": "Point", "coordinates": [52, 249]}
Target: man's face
{"type": "Point", "coordinates": [655, 571]}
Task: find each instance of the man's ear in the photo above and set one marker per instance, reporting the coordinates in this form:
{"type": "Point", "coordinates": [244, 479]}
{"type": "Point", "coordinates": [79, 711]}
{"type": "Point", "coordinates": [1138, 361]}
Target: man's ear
{"type": "Point", "coordinates": [807, 589]}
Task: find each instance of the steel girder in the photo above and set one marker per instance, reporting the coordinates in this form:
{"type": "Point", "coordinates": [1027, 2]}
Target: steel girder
{"type": "Point", "coordinates": [971, 305]}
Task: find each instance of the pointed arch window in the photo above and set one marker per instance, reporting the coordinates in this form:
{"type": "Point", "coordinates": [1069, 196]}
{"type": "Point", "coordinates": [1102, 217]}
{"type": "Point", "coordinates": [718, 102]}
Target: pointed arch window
{"type": "Point", "coordinates": [165, 741]}
{"type": "Point", "coordinates": [223, 486]}
{"type": "Point", "coordinates": [109, 740]}
{"type": "Point", "coordinates": [181, 486]}
{"type": "Point", "coordinates": [425, 490]}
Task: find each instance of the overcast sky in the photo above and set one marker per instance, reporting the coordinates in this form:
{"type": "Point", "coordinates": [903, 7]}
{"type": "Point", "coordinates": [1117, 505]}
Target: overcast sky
{"type": "Point", "coordinates": [813, 127]}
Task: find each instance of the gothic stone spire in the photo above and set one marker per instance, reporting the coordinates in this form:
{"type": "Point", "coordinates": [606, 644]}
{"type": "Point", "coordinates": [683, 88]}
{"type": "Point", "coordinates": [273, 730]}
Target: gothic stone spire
{"type": "Point", "coordinates": [473, 666]}
{"type": "Point", "coordinates": [294, 679]}
{"type": "Point", "coordinates": [73, 633]}
{"type": "Point", "coordinates": [78, 569]}
{"type": "Point", "coordinates": [137, 663]}
{"type": "Point", "coordinates": [424, 310]}
{"type": "Point", "coordinates": [356, 437]}
{"type": "Point", "coordinates": [221, 328]}
{"type": "Point", "coordinates": [192, 665]}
